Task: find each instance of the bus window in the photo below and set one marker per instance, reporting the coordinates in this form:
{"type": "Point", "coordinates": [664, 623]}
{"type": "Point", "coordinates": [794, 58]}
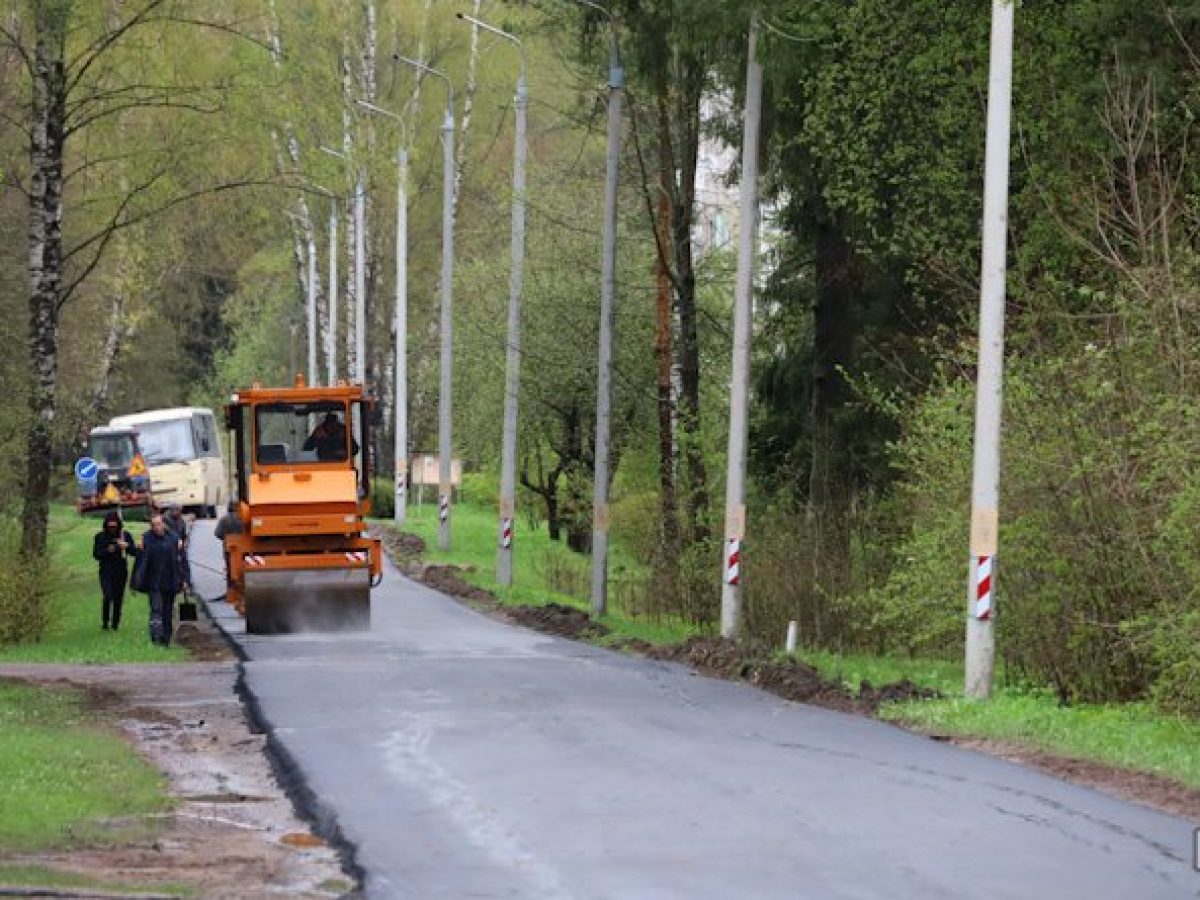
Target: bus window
{"type": "Point", "coordinates": [168, 440]}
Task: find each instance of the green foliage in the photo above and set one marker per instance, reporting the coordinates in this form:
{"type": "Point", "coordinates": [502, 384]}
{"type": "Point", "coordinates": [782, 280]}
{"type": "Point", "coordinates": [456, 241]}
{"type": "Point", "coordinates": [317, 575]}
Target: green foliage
{"type": "Point", "coordinates": [1098, 505]}
{"type": "Point", "coordinates": [383, 498]}
{"type": "Point", "coordinates": [66, 780]}
{"type": "Point", "coordinates": [25, 600]}
{"type": "Point", "coordinates": [480, 489]}
{"type": "Point", "coordinates": [28, 875]}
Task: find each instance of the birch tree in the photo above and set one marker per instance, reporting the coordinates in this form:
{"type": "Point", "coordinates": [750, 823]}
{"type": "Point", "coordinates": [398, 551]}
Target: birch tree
{"type": "Point", "coordinates": [70, 54]}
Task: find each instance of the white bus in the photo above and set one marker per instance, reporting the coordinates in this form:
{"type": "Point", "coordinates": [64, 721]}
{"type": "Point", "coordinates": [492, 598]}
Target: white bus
{"type": "Point", "coordinates": [182, 451]}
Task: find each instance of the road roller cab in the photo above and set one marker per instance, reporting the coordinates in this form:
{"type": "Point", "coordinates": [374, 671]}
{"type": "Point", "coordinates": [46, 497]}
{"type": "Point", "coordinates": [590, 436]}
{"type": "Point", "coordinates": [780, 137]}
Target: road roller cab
{"type": "Point", "coordinates": [300, 459]}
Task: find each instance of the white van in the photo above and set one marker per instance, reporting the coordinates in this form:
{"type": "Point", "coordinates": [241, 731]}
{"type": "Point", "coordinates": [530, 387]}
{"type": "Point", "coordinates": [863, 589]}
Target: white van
{"type": "Point", "coordinates": [183, 454]}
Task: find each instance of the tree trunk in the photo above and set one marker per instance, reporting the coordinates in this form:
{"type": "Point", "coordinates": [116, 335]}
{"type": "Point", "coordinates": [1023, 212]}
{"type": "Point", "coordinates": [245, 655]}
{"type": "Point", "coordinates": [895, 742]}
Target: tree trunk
{"type": "Point", "coordinates": [45, 268]}
{"type": "Point", "coordinates": [666, 404]}
{"type": "Point", "coordinates": [351, 291]}
{"type": "Point", "coordinates": [370, 94]}
{"type": "Point", "coordinates": [833, 339]}
{"type": "Point", "coordinates": [546, 487]}
{"type": "Point", "coordinates": [302, 231]}
{"type": "Point", "coordinates": [681, 145]}
{"type": "Point", "coordinates": [102, 395]}
{"type": "Point", "coordinates": [460, 149]}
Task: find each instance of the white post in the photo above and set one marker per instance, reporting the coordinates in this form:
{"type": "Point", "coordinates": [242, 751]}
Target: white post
{"type": "Point", "coordinates": [793, 631]}
{"type": "Point", "coordinates": [743, 310]}
{"type": "Point", "coordinates": [331, 334]}
{"type": "Point", "coordinates": [401, 449]}
{"type": "Point", "coordinates": [608, 279]}
{"type": "Point", "coordinates": [985, 486]}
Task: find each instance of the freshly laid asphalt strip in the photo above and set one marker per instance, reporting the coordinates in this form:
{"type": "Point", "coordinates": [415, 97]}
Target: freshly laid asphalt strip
{"type": "Point", "coordinates": [463, 757]}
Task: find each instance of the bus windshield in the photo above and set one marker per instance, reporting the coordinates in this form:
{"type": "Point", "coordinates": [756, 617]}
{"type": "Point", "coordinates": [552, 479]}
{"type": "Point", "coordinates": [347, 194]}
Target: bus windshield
{"type": "Point", "coordinates": [166, 441]}
{"type": "Point", "coordinates": [111, 451]}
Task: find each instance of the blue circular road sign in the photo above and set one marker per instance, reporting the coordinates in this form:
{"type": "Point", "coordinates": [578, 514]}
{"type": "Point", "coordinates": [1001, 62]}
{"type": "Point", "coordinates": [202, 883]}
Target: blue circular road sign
{"type": "Point", "coordinates": [86, 468]}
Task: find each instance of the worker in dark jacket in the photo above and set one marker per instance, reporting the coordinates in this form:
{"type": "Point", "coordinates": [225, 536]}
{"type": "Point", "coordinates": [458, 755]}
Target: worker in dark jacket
{"type": "Point", "coordinates": [163, 579]}
{"type": "Point", "coordinates": [111, 548]}
{"type": "Point", "coordinates": [230, 523]}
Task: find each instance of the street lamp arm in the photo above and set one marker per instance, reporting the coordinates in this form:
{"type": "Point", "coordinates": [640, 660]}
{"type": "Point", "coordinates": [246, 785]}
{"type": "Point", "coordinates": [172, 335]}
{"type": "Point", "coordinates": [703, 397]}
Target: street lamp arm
{"type": "Point", "coordinates": [399, 119]}
{"type": "Point", "coordinates": [500, 33]}
{"type": "Point", "coordinates": [614, 64]}
{"type": "Point", "coordinates": [430, 70]}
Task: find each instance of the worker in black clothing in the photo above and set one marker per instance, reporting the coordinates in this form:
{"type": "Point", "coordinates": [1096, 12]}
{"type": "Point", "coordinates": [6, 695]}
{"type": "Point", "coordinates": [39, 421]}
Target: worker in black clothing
{"type": "Point", "coordinates": [230, 523]}
{"type": "Point", "coordinates": [111, 548]}
{"type": "Point", "coordinates": [163, 577]}
{"type": "Point", "coordinates": [329, 439]}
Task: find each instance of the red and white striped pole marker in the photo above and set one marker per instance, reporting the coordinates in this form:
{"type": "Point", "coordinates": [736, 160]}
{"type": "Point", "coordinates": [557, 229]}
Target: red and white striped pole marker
{"type": "Point", "coordinates": [733, 562]}
{"type": "Point", "coordinates": [982, 609]}
{"type": "Point", "coordinates": [506, 533]}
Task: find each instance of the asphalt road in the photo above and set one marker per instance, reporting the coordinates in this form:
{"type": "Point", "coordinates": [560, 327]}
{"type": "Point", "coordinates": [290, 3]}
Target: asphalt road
{"type": "Point", "coordinates": [468, 758]}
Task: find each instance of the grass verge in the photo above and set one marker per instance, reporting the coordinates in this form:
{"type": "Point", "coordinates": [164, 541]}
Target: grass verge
{"type": "Point", "coordinates": [544, 571]}
{"type": "Point", "coordinates": [42, 877]}
{"type": "Point", "coordinates": [66, 780]}
{"type": "Point", "coordinates": [1132, 736]}
{"type": "Point", "coordinates": [74, 634]}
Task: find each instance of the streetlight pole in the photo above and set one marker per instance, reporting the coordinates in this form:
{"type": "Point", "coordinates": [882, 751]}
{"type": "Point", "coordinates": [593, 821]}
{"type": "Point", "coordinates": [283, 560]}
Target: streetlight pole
{"type": "Point", "coordinates": [985, 486]}
{"type": "Point", "coordinates": [608, 269]}
{"type": "Point", "coordinates": [743, 310]}
{"type": "Point", "coordinates": [512, 367]}
{"type": "Point", "coordinates": [447, 325]}
{"type": "Point", "coordinates": [401, 320]}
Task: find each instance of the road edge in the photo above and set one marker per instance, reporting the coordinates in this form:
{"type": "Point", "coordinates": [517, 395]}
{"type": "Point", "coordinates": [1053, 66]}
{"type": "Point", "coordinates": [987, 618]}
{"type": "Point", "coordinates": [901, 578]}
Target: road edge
{"type": "Point", "coordinates": [292, 779]}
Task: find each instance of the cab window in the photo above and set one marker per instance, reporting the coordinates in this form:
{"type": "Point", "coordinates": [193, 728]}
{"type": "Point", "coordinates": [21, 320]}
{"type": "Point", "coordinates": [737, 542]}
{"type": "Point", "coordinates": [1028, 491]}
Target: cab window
{"type": "Point", "coordinates": [302, 432]}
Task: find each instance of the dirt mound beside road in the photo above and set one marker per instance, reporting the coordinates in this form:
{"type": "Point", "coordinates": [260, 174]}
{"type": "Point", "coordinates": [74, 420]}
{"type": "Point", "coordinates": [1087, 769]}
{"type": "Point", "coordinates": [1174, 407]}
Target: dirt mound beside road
{"type": "Point", "coordinates": [448, 580]}
{"type": "Point", "coordinates": [790, 679]}
{"type": "Point", "coordinates": [557, 619]}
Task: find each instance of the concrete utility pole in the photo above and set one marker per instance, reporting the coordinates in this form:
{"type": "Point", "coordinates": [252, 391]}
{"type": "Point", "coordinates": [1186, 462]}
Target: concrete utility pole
{"type": "Point", "coordinates": [400, 513]}
{"type": "Point", "coordinates": [608, 279]}
{"type": "Point", "coordinates": [985, 486]}
{"type": "Point", "coordinates": [447, 351]}
{"type": "Point", "coordinates": [743, 311]}
{"type": "Point", "coordinates": [512, 366]}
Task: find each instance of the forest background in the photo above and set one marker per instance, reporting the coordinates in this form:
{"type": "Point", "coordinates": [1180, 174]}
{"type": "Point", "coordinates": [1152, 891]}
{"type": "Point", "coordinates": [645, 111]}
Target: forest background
{"type": "Point", "coordinates": [191, 187]}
